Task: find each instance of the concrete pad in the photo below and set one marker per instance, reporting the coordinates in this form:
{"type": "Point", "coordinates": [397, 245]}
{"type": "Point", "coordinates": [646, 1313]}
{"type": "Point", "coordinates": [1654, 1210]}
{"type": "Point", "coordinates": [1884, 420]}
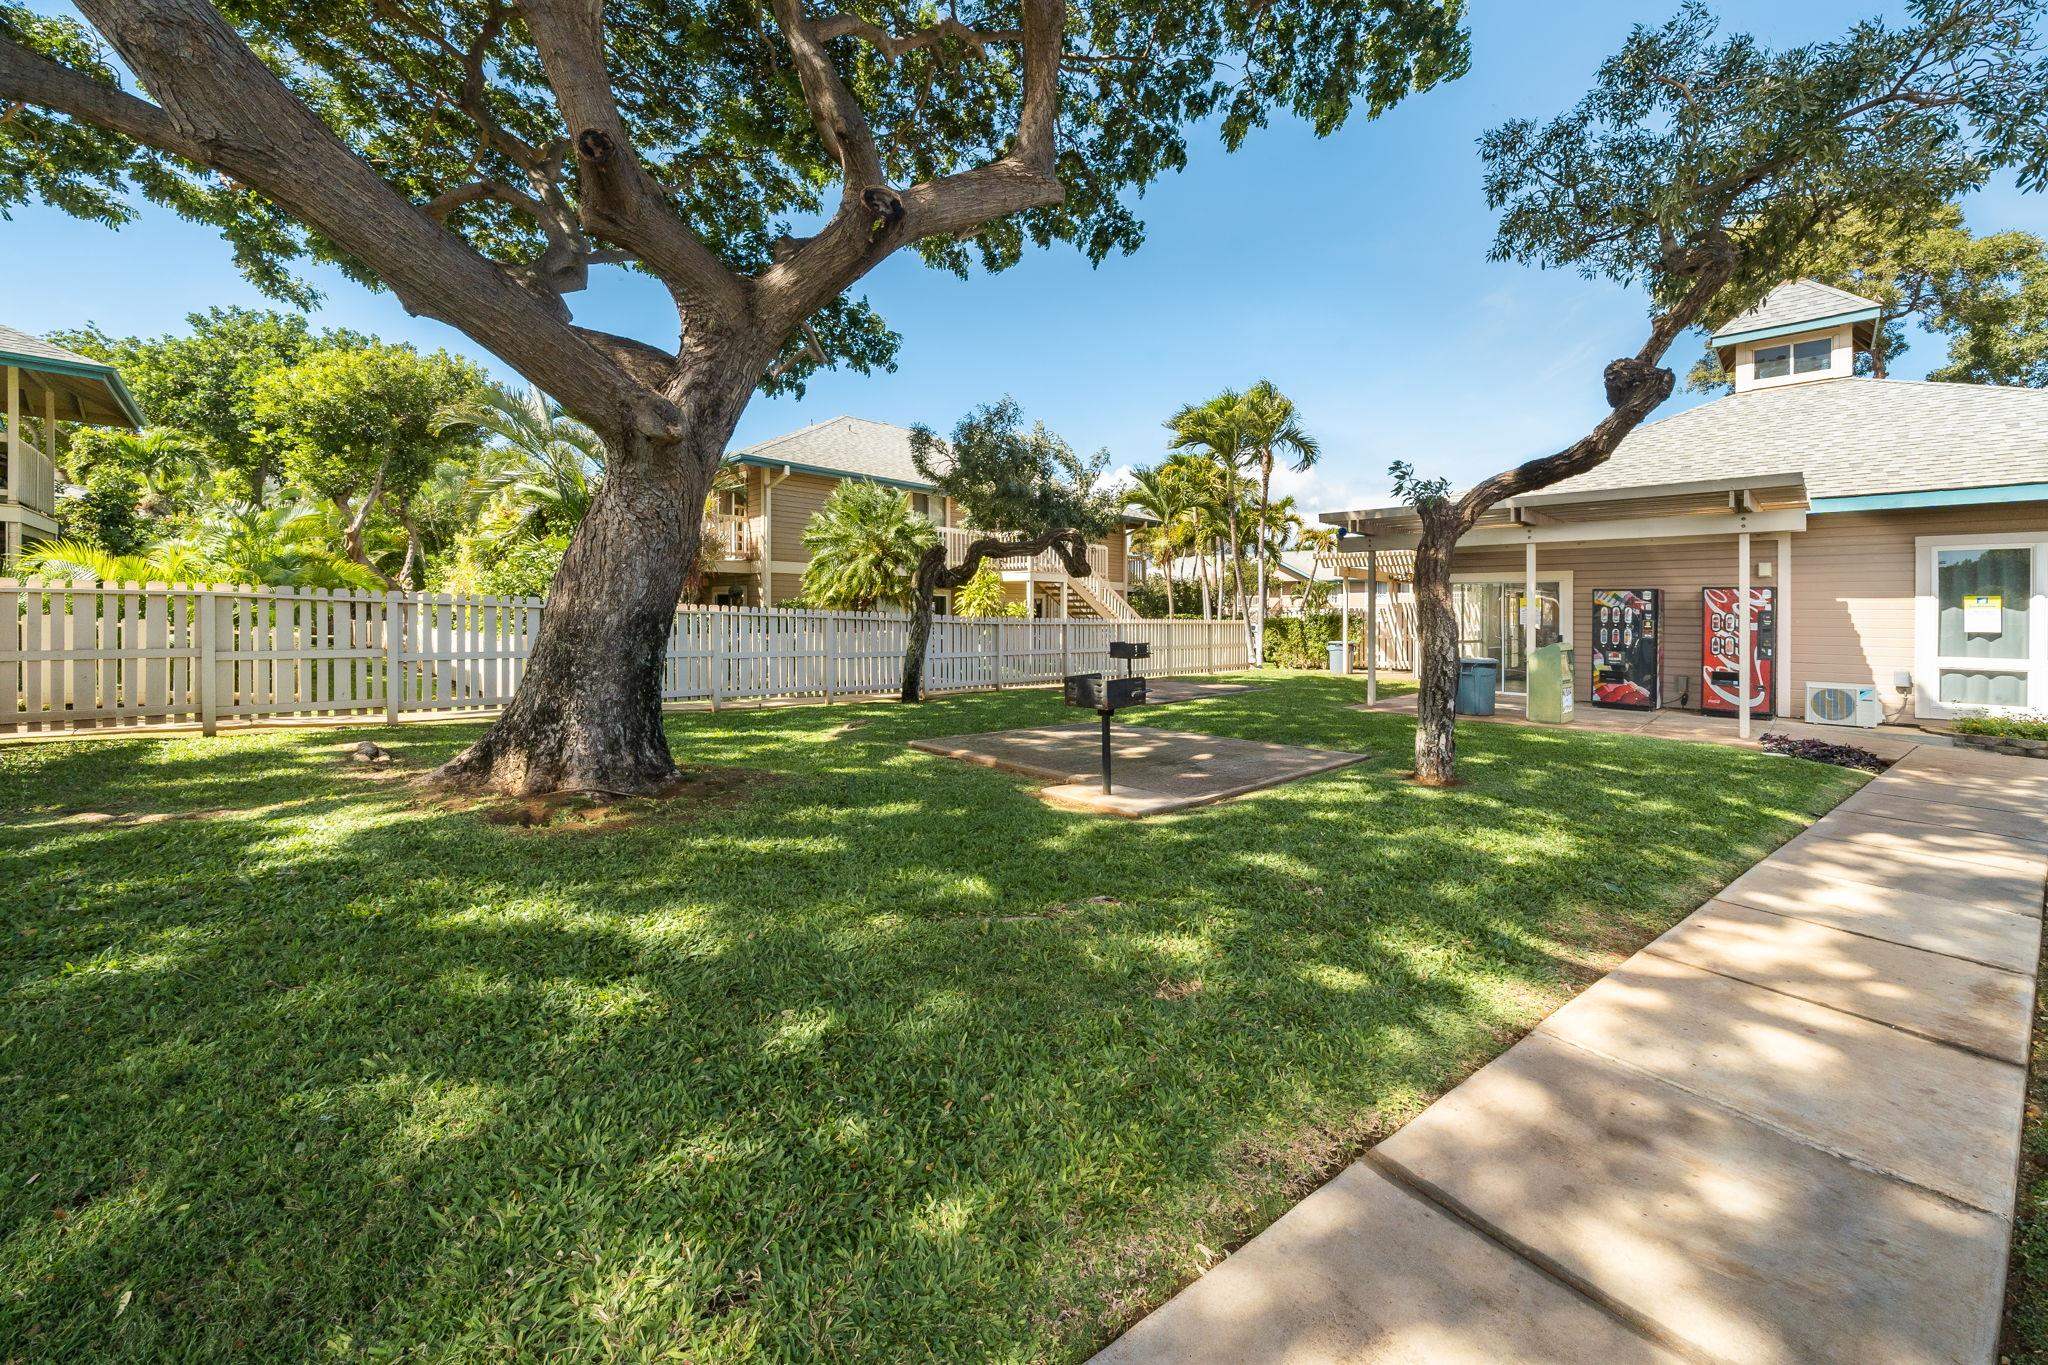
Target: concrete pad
{"type": "Point", "coordinates": [1922, 840]}
{"type": "Point", "coordinates": [1941, 1118]}
{"type": "Point", "coordinates": [1890, 803]}
{"type": "Point", "coordinates": [1362, 1270]}
{"type": "Point", "coordinates": [1952, 1001]}
{"type": "Point", "coordinates": [1742, 1241]}
{"type": "Point", "coordinates": [1153, 772]}
{"type": "Point", "coordinates": [1997, 938]}
{"type": "Point", "coordinates": [1963, 883]}
{"type": "Point", "coordinates": [1161, 690]}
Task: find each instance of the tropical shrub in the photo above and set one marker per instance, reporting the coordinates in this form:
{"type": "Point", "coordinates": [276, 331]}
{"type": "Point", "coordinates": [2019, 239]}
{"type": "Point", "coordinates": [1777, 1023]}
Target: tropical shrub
{"type": "Point", "coordinates": [865, 543]}
{"type": "Point", "coordinates": [2005, 725]}
{"type": "Point", "coordinates": [982, 595]}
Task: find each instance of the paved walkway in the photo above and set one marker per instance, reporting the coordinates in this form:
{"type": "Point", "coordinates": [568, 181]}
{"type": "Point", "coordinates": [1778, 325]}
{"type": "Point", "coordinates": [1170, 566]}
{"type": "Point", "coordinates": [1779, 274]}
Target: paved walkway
{"type": "Point", "coordinates": [1788, 1130]}
{"type": "Point", "coordinates": [1887, 741]}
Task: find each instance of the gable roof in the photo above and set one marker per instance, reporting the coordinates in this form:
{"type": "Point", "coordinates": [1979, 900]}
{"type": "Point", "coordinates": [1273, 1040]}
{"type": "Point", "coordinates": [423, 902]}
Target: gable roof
{"type": "Point", "coordinates": [85, 389]}
{"type": "Point", "coordinates": [844, 447]}
{"type": "Point", "coordinates": [1849, 437]}
{"type": "Point", "coordinates": [1793, 305]}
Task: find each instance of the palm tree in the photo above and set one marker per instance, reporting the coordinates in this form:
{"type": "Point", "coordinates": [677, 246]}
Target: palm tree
{"type": "Point", "coordinates": [539, 460]}
{"type": "Point", "coordinates": [1213, 429]}
{"type": "Point", "coordinates": [865, 543]}
{"type": "Point", "coordinates": [1269, 427]}
{"type": "Point", "coordinates": [76, 561]}
{"type": "Point", "coordinates": [1166, 498]}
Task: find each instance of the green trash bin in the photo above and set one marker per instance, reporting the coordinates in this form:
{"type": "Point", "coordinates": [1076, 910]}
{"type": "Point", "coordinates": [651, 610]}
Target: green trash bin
{"type": "Point", "coordinates": [1550, 684]}
{"type": "Point", "coordinates": [1478, 681]}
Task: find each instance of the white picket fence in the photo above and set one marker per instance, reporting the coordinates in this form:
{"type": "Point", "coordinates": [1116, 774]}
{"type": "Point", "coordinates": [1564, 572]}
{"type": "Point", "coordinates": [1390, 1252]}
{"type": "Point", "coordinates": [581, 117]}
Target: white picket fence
{"type": "Point", "coordinates": [76, 656]}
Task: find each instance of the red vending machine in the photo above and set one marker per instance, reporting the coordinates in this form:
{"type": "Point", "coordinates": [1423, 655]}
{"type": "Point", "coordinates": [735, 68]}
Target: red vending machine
{"type": "Point", "coordinates": [1719, 645]}
{"type": "Point", "coordinates": [1628, 647]}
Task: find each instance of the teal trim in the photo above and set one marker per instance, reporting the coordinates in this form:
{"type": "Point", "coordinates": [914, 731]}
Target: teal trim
{"type": "Point", "coordinates": [106, 374]}
{"type": "Point", "coordinates": [1933, 497]}
{"type": "Point", "coordinates": [1812, 325]}
{"type": "Point", "coordinates": [769, 462]}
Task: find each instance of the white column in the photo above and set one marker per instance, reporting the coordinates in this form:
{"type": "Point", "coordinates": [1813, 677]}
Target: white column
{"type": "Point", "coordinates": [1744, 642]}
{"type": "Point", "coordinates": [1783, 666]}
{"type": "Point", "coordinates": [1372, 625]}
{"type": "Point", "coordinates": [14, 441]}
{"type": "Point", "coordinates": [1344, 612]}
{"type": "Point", "coordinates": [1529, 621]}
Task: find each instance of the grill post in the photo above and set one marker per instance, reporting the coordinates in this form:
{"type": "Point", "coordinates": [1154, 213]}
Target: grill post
{"type": "Point", "coordinates": [1105, 752]}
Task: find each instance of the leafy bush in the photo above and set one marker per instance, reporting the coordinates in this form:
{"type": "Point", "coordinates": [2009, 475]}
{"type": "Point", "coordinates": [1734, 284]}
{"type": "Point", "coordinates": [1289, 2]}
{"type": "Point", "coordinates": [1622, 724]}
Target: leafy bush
{"type": "Point", "coordinates": [982, 595]}
{"type": "Point", "coordinates": [2007, 725]}
{"type": "Point", "coordinates": [1301, 641]}
{"type": "Point", "coordinates": [109, 516]}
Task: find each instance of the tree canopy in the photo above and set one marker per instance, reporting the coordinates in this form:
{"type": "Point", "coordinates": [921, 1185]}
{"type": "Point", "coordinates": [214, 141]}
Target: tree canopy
{"type": "Point", "coordinates": [696, 141]}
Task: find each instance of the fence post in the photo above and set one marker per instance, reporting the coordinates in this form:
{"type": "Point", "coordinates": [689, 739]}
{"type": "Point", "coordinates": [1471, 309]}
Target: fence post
{"type": "Point", "coordinates": [831, 659]}
{"type": "Point", "coordinates": [1066, 651]}
{"type": "Point", "coordinates": [394, 655]}
{"type": "Point", "coordinates": [207, 684]}
{"type": "Point", "coordinates": [716, 663]}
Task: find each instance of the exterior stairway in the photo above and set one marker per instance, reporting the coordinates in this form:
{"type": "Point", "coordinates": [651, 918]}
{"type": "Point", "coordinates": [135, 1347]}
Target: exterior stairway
{"type": "Point", "coordinates": [1102, 598]}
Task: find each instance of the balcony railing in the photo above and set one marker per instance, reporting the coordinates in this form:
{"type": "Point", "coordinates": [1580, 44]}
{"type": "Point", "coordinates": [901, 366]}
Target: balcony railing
{"type": "Point", "coordinates": [732, 534]}
{"type": "Point", "coordinates": [957, 538]}
{"type": "Point", "coordinates": [35, 485]}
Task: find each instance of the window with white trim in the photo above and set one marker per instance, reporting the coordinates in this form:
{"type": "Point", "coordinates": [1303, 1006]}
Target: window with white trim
{"type": "Point", "coordinates": [1980, 638]}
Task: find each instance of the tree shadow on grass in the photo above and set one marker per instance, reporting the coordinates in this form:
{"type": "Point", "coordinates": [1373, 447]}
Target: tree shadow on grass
{"type": "Point", "coordinates": [892, 1058]}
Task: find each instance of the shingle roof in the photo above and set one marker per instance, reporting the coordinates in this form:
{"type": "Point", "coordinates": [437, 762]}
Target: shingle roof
{"type": "Point", "coordinates": [1792, 303]}
{"type": "Point", "coordinates": [88, 390]}
{"type": "Point", "coordinates": [1849, 437]}
{"type": "Point", "coordinates": [848, 446]}
{"type": "Point", "coordinates": [35, 348]}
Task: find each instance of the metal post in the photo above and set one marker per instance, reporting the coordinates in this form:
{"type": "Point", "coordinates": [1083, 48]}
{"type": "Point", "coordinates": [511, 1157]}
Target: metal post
{"type": "Point", "coordinates": [1372, 625]}
{"type": "Point", "coordinates": [1783, 666]}
{"type": "Point", "coordinates": [1105, 753]}
{"type": "Point", "coordinates": [1743, 635]}
{"type": "Point", "coordinates": [1531, 617]}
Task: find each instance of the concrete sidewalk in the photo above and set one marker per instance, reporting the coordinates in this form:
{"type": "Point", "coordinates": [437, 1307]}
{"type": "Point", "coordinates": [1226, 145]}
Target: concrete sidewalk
{"type": "Point", "coordinates": [1788, 1130]}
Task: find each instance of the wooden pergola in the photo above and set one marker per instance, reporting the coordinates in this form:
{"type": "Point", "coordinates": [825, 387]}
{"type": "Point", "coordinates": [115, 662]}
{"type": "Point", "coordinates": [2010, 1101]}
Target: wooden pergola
{"type": "Point", "coordinates": [1392, 566]}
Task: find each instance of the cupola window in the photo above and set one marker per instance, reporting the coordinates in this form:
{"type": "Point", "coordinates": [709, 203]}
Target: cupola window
{"type": "Point", "coordinates": [1805, 357]}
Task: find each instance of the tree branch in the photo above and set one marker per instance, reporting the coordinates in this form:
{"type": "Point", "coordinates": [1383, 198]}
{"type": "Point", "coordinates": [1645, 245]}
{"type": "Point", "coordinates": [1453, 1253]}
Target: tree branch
{"type": "Point", "coordinates": [619, 201]}
{"type": "Point", "coordinates": [31, 78]}
{"type": "Point", "coordinates": [834, 112]}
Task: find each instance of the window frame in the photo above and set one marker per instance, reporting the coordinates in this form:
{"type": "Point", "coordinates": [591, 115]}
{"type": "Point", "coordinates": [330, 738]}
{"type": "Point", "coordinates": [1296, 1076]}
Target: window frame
{"type": "Point", "coordinates": [1756, 361]}
{"type": "Point", "coordinates": [1929, 663]}
{"type": "Point", "coordinates": [1827, 354]}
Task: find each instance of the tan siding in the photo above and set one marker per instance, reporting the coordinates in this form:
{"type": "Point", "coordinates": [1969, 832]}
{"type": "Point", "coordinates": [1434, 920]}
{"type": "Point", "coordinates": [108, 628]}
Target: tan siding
{"type": "Point", "coordinates": [1851, 595]}
{"type": "Point", "coordinates": [797, 499]}
{"type": "Point", "coordinates": [1116, 556]}
{"type": "Point", "coordinates": [787, 585]}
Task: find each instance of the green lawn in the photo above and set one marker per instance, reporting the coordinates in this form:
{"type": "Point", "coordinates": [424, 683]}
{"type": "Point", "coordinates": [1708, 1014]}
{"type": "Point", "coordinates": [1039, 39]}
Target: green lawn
{"type": "Point", "coordinates": [876, 1057]}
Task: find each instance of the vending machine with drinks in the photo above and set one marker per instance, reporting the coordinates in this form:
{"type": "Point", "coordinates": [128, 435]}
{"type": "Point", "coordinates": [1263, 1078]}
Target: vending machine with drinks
{"type": "Point", "coordinates": [1719, 645]}
{"type": "Point", "coordinates": [1628, 647]}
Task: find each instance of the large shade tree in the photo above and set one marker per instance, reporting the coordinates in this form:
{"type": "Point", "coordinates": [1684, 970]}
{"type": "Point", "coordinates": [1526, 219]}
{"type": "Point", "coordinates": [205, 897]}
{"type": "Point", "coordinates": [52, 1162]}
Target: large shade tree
{"type": "Point", "coordinates": [1698, 167]}
{"type": "Point", "coordinates": [1024, 489]}
{"type": "Point", "coordinates": [756, 158]}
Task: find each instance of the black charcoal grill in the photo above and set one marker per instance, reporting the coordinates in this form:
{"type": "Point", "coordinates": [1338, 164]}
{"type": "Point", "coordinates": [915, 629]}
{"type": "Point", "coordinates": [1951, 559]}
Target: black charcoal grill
{"type": "Point", "coordinates": [1103, 694]}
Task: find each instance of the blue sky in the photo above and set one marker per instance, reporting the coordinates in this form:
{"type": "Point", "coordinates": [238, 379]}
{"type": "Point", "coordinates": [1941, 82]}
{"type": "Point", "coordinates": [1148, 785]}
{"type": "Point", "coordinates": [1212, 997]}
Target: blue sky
{"type": "Point", "coordinates": [1350, 270]}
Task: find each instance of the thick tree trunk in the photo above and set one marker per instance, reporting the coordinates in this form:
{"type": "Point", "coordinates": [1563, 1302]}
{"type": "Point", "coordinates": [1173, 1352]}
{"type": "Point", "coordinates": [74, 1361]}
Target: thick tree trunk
{"type": "Point", "coordinates": [919, 638]}
{"type": "Point", "coordinates": [1436, 664]}
{"type": "Point", "coordinates": [587, 717]}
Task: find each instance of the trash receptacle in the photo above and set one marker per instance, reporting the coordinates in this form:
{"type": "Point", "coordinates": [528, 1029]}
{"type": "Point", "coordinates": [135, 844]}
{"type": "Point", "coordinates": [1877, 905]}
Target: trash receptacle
{"type": "Point", "coordinates": [1478, 680]}
{"type": "Point", "coordinates": [1340, 656]}
{"type": "Point", "coordinates": [1550, 684]}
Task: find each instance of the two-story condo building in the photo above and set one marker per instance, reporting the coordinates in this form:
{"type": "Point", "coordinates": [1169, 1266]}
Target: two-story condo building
{"type": "Point", "coordinates": [1893, 534]}
{"type": "Point", "coordinates": [759, 527]}
{"type": "Point", "coordinates": [49, 386]}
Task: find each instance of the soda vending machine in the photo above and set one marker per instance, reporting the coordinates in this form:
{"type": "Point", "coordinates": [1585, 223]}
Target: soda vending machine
{"type": "Point", "coordinates": [1719, 646]}
{"type": "Point", "coordinates": [1628, 647]}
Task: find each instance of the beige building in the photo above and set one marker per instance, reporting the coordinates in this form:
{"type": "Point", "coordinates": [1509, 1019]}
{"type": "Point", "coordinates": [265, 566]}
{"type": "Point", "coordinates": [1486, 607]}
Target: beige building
{"type": "Point", "coordinates": [1900, 527]}
{"type": "Point", "coordinates": [43, 387]}
{"type": "Point", "coordinates": [759, 527]}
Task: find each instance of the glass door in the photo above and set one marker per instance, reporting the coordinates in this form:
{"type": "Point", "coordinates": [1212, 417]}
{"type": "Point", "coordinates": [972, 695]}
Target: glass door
{"type": "Point", "coordinates": [1489, 615]}
{"type": "Point", "coordinates": [1978, 647]}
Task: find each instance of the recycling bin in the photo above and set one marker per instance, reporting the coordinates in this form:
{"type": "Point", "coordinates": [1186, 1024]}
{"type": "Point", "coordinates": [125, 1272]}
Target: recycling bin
{"type": "Point", "coordinates": [1550, 684]}
{"type": "Point", "coordinates": [1340, 657]}
{"type": "Point", "coordinates": [1478, 681]}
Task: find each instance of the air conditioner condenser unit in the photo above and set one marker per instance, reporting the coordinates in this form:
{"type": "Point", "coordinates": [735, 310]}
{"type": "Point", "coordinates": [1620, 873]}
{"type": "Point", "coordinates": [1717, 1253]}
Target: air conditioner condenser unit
{"type": "Point", "coordinates": [1843, 704]}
